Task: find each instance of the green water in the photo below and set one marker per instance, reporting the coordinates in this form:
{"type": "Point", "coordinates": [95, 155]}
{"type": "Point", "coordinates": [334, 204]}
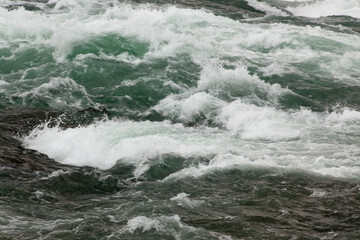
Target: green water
{"type": "Point", "coordinates": [179, 120]}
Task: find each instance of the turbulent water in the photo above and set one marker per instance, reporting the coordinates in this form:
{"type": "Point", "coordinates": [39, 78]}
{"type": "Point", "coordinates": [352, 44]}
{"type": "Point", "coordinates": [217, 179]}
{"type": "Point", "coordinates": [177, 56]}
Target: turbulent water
{"type": "Point", "coordinates": [190, 119]}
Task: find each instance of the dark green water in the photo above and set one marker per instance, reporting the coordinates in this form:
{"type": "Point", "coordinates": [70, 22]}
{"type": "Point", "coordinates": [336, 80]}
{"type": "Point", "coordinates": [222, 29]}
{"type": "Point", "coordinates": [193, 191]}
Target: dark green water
{"type": "Point", "coordinates": [180, 119]}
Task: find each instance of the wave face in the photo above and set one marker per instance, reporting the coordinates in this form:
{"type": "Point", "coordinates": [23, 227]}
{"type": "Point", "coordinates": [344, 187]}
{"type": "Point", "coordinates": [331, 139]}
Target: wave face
{"type": "Point", "coordinates": [244, 116]}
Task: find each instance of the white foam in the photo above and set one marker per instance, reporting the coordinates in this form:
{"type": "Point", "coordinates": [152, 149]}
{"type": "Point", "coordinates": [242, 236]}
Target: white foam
{"type": "Point", "coordinates": [321, 8]}
{"type": "Point", "coordinates": [215, 83]}
{"type": "Point", "coordinates": [244, 120]}
{"type": "Point", "coordinates": [59, 92]}
{"type": "Point", "coordinates": [340, 171]}
{"type": "Point", "coordinates": [73, 5]}
{"type": "Point", "coordinates": [172, 31]}
{"type": "Point", "coordinates": [219, 80]}
{"type": "Point", "coordinates": [55, 174]}
{"type": "Point", "coordinates": [183, 200]}
{"type": "Point", "coordinates": [104, 143]}
{"type": "Point", "coordinates": [170, 226]}
{"type": "Point", "coordinates": [254, 122]}
{"type": "Point", "coordinates": [290, 162]}
{"type": "Point", "coordinates": [318, 194]}
{"type": "Point", "coordinates": [254, 136]}
{"type": "Point", "coordinates": [265, 7]}
{"type": "Point", "coordinates": [346, 115]}
{"type": "Point", "coordinates": [188, 108]}
{"type": "Point", "coordinates": [158, 223]}
{"type": "Point", "coordinates": [220, 162]}
{"type": "Point", "coordinates": [2, 83]}
{"type": "Point", "coordinates": [122, 57]}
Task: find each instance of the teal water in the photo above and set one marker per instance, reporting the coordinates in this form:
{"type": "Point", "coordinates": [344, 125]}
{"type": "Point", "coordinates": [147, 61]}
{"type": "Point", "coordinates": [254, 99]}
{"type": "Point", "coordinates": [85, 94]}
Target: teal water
{"type": "Point", "coordinates": [180, 119]}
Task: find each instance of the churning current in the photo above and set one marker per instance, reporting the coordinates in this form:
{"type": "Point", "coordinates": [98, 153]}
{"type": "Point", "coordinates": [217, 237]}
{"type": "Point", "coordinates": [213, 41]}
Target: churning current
{"type": "Point", "coordinates": [236, 119]}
